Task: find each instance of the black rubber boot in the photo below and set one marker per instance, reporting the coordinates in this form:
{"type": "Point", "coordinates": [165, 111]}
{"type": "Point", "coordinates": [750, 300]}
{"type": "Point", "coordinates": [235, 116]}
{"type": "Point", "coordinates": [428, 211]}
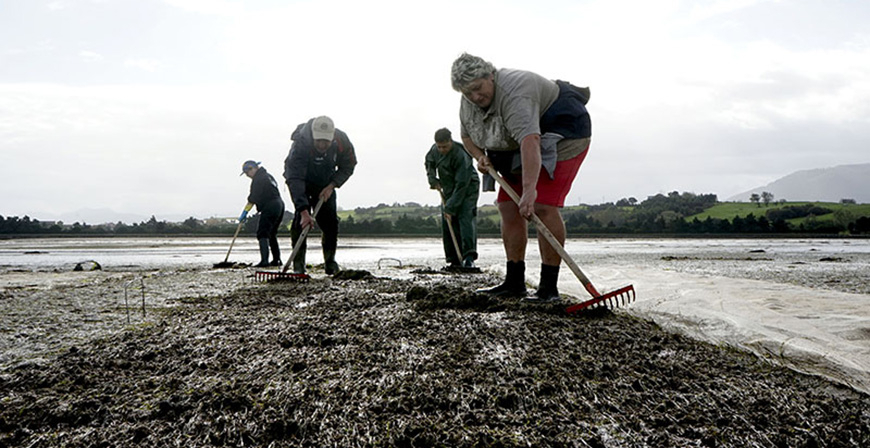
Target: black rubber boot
{"type": "Point", "coordinates": [547, 290]}
{"type": "Point", "coordinates": [514, 284]}
{"type": "Point", "coordinates": [299, 259]}
{"type": "Point", "coordinates": [329, 264]}
{"type": "Point", "coordinates": [276, 252]}
{"type": "Point", "coordinates": [264, 253]}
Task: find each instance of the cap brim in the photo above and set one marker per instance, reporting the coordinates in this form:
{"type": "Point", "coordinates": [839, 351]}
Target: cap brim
{"type": "Point", "coordinates": [320, 136]}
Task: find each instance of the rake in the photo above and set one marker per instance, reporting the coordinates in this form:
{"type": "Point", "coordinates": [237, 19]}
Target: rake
{"type": "Point", "coordinates": [226, 263]}
{"type": "Point", "coordinates": [612, 299]}
{"type": "Point", "coordinates": [283, 274]}
{"type": "Point", "coordinates": [460, 268]}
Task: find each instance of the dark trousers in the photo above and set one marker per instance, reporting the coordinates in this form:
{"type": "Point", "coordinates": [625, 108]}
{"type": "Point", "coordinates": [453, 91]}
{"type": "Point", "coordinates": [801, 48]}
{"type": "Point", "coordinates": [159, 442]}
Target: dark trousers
{"type": "Point", "coordinates": [327, 221]}
{"type": "Point", "coordinates": [269, 223]}
{"type": "Point", "coordinates": [465, 227]}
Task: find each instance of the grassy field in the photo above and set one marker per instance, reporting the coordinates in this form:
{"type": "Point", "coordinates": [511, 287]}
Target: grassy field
{"type": "Point", "coordinates": [392, 213]}
{"type": "Point", "coordinates": [728, 210]}
{"type": "Point", "coordinates": [723, 210]}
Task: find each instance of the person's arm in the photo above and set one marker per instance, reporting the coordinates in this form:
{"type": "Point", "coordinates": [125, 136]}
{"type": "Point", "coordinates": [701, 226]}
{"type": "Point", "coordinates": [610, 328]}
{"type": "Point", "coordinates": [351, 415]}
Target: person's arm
{"type": "Point", "coordinates": [244, 214]}
{"type": "Point", "coordinates": [477, 154]}
{"type": "Point", "coordinates": [431, 169]}
{"type": "Point", "coordinates": [460, 167]}
{"type": "Point", "coordinates": [327, 192]}
{"type": "Point", "coordinates": [530, 148]}
{"type": "Point", "coordinates": [295, 170]}
{"type": "Point", "coordinates": [305, 219]}
{"type": "Point", "coordinates": [345, 162]}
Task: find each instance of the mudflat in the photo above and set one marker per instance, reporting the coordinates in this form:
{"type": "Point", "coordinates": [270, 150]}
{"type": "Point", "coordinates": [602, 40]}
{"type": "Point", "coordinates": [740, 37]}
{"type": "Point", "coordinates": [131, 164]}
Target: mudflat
{"type": "Point", "coordinates": [363, 360]}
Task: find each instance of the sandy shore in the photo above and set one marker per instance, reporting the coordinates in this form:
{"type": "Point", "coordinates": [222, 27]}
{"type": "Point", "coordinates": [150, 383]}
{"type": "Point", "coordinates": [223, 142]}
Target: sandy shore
{"type": "Point", "coordinates": [378, 362]}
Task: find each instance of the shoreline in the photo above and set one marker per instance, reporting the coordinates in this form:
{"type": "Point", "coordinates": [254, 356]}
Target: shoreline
{"type": "Point", "coordinates": [581, 236]}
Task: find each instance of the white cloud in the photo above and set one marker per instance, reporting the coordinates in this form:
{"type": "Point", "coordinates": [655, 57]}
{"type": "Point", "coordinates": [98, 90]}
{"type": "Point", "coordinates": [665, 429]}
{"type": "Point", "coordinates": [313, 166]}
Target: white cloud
{"type": "Point", "coordinates": [211, 7]}
{"type": "Point", "coordinates": [149, 65]}
{"type": "Point", "coordinates": [677, 104]}
{"type": "Point", "coordinates": [56, 6]}
{"type": "Point", "coordinates": [706, 10]}
{"type": "Point", "coordinates": [90, 55]}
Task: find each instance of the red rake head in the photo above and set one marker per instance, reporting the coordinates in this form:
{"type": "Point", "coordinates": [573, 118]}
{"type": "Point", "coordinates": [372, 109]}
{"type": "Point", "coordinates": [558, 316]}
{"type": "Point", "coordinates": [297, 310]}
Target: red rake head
{"type": "Point", "coordinates": [611, 300]}
{"type": "Point", "coordinates": [269, 276]}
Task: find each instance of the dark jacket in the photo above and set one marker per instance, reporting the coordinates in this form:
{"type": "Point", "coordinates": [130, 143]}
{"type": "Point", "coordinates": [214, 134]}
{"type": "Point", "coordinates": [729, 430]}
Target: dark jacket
{"type": "Point", "coordinates": [456, 174]}
{"type": "Point", "coordinates": [307, 171]}
{"type": "Point", "coordinates": [264, 192]}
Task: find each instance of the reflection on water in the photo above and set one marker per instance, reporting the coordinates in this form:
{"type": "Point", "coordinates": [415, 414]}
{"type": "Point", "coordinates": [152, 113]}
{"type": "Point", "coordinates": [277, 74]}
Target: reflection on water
{"type": "Point", "coordinates": [154, 253]}
{"type": "Point", "coordinates": [364, 253]}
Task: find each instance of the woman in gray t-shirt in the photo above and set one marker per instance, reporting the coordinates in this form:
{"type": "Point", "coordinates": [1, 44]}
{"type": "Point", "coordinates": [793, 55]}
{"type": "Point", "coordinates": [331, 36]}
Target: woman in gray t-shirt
{"type": "Point", "coordinates": [535, 132]}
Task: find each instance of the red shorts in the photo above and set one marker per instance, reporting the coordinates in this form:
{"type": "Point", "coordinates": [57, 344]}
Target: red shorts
{"type": "Point", "coordinates": [550, 191]}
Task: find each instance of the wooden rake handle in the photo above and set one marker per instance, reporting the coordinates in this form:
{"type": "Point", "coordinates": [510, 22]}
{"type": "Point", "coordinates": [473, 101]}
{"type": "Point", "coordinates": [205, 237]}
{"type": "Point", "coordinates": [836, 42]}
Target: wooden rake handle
{"type": "Point", "coordinates": [301, 239]}
{"type": "Point", "coordinates": [548, 235]}
{"type": "Point", "coordinates": [238, 227]}
{"type": "Point", "coordinates": [450, 227]}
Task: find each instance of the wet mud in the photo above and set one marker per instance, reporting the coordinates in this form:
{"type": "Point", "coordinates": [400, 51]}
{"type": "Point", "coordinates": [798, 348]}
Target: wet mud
{"type": "Point", "coordinates": [371, 361]}
{"type": "Point", "coordinates": [231, 265]}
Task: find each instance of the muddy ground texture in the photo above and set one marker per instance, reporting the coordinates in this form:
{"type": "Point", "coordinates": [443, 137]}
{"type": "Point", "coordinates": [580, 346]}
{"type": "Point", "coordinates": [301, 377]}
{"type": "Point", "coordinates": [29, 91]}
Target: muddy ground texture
{"type": "Point", "coordinates": [360, 360]}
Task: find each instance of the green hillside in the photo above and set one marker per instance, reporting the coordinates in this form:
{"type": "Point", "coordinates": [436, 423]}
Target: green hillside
{"type": "Point", "coordinates": [411, 210]}
{"type": "Point", "coordinates": [728, 210]}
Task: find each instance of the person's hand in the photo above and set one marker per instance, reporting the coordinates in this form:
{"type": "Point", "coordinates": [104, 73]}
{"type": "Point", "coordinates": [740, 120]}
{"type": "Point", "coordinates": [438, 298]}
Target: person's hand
{"type": "Point", "coordinates": [527, 203]}
{"type": "Point", "coordinates": [326, 193]}
{"type": "Point", "coordinates": [306, 220]}
{"type": "Point", "coordinates": [435, 186]}
{"type": "Point", "coordinates": [243, 215]}
{"type": "Point", "coordinates": [483, 164]}
{"type": "Point", "coordinates": [448, 217]}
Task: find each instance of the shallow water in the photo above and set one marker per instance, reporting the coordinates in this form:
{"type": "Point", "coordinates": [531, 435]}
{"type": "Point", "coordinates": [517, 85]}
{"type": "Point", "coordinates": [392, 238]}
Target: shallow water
{"type": "Point", "coordinates": [365, 253]}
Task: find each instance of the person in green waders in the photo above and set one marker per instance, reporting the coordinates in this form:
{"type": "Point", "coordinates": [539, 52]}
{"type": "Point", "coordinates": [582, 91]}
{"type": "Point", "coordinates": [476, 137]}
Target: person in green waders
{"type": "Point", "coordinates": [266, 196]}
{"type": "Point", "coordinates": [451, 172]}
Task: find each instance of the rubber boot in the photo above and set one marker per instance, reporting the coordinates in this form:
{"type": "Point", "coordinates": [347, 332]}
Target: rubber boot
{"type": "Point", "coordinates": [514, 284]}
{"type": "Point", "coordinates": [264, 253]}
{"type": "Point", "coordinates": [276, 252]}
{"type": "Point", "coordinates": [547, 290]}
{"type": "Point", "coordinates": [329, 264]}
{"type": "Point", "coordinates": [299, 260]}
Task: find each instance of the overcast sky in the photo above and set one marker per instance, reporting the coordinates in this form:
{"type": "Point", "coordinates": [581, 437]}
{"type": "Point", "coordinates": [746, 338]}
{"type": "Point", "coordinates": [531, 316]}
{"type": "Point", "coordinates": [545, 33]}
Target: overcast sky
{"type": "Point", "coordinates": [150, 107]}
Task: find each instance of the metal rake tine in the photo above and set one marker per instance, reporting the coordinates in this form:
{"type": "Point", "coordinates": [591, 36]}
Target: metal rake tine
{"type": "Point", "coordinates": [613, 299]}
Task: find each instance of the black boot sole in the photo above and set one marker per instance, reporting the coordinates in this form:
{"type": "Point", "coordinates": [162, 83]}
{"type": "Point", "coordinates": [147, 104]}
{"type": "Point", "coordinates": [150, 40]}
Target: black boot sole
{"type": "Point", "coordinates": [500, 292]}
{"type": "Point", "coordinates": [538, 297]}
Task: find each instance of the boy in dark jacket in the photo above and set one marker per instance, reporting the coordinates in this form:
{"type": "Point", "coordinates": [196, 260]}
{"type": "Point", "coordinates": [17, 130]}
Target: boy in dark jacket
{"type": "Point", "coordinates": [321, 159]}
{"type": "Point", "coordinates": [265, 195]}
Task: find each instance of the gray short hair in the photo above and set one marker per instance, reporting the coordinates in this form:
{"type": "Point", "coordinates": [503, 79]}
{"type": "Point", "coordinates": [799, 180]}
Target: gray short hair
{"type": "Point", "coordinates": [467, 68]}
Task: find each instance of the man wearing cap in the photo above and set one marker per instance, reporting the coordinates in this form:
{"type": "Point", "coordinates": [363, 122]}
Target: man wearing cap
{"type": "Point", "coordinates": [321, 159]}
{"type": "Point", "coordinates": [450, 171]}
{"type": "Point", "coordinates": [266, 196]}
{"type": "Point", "coordinates": [535, 132]}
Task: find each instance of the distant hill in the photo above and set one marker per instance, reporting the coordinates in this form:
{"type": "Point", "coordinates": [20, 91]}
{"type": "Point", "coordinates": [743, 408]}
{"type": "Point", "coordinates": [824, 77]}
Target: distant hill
{"type": "Point", "coordinates": [823, 185]}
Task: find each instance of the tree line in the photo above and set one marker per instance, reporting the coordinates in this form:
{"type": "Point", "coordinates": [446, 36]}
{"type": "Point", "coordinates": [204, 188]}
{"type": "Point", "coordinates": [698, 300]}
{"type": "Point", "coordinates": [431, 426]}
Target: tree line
{"type": "Point", "coordinates": [659, 214]}
{"type": "Point", "coordinates": [667, 214]}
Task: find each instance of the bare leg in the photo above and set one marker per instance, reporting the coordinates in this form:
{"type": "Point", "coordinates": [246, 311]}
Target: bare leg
{"type": "Point", "coordinates": [552, 218]}
{"type": "Point", "coordinates": [514, 231]}
{"type": "Point", "coordinates": [515, 238]}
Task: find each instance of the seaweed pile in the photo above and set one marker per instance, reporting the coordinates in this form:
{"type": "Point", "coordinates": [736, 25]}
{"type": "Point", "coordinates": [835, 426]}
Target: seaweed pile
{"type": "Point", "coordinates": [367, 361]}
